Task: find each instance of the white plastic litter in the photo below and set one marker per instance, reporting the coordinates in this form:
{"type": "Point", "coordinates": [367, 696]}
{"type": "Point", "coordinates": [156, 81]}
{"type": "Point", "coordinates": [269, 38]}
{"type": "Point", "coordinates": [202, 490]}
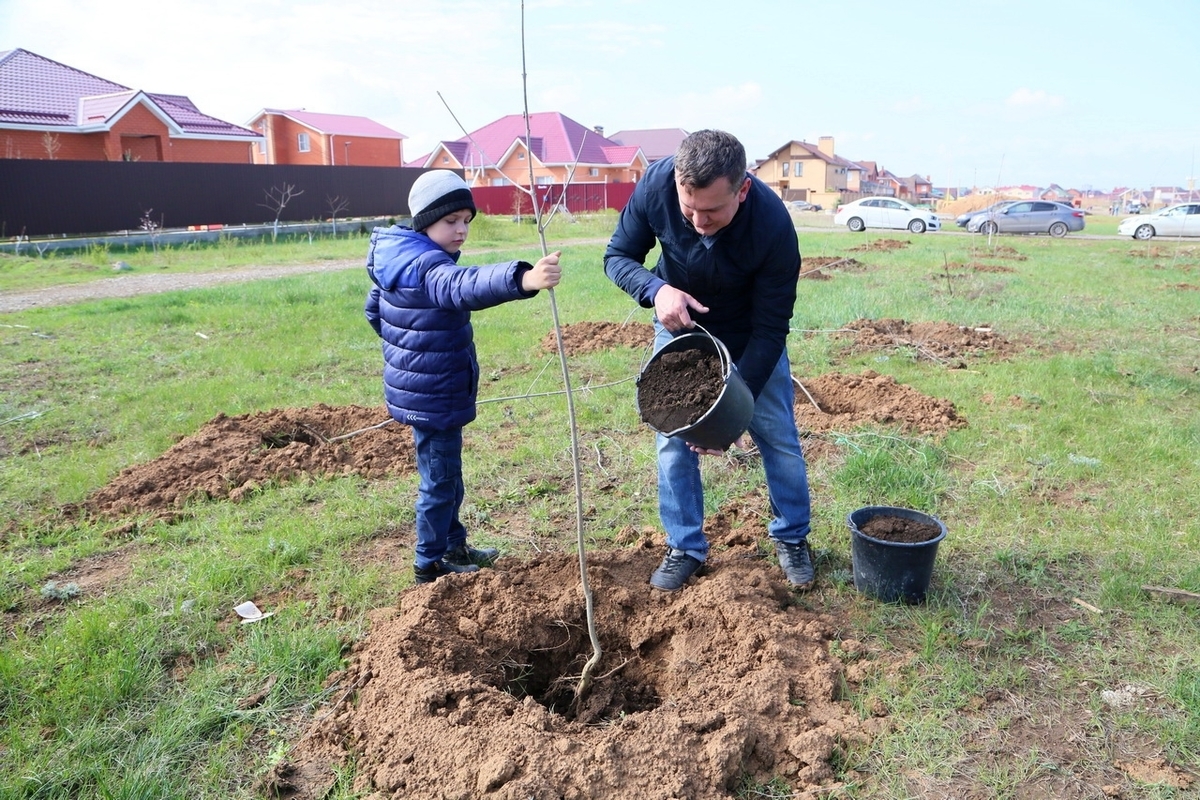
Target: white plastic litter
{"type": "Point", "coordinates": [250, 613]}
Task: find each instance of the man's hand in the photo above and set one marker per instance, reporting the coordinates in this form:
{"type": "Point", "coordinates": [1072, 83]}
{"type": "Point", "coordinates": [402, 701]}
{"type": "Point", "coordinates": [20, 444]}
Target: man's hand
{"type": "Point", "coordinates": [739, 443]}
{"type": "Point", "coordinates": [671, 307]}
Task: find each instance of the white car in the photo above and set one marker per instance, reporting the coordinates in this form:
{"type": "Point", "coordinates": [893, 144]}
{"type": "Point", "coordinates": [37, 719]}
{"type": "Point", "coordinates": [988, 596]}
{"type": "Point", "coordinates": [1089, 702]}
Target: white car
{"type": "Point", "coordinates": [1181, 219]}
{"type": "Point", "coordinates": [885, 212]}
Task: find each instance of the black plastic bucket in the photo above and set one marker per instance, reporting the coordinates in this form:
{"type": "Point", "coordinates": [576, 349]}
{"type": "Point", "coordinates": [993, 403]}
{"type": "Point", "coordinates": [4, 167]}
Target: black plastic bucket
{"type": "Point", "coordinates": [730, 415]}
{"type": "Point", "coordinates": [892, 571]}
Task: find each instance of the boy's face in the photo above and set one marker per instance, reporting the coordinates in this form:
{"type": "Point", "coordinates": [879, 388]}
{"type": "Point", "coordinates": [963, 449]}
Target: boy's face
{"type": "Point", "coordinates": [450, 231]}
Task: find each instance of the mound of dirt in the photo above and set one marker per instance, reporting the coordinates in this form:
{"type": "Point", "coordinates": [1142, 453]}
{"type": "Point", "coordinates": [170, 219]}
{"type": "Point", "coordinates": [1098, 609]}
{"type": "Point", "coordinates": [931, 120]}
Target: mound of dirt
{"type": "Point", "coordinates": [230, 456]}
{"type": "Point", "coordinates": [469, 689]}
{"type": "Point", "coordinates": [941, 342]}
{"type": "Point", "coordinates": [817, 268]}
{"type": "Point", "coordinates": [592, 337]}
{"type": "Point", "coordinates": [881, 245]}
{"type": "Point", "coordinates": [846, 402]}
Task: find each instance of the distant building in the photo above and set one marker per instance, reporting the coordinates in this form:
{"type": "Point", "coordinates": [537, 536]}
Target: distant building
{"type": "Point", "coordinates": [656, 143]}
{"type": "Point", "coordinates": [297, 136]}
{"type": "Point", "coordinates": [51, 111]}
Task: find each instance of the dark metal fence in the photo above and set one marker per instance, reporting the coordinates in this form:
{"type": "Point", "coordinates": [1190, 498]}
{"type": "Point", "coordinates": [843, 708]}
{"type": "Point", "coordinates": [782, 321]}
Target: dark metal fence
{"type": "Point", "coordinates": [73, 198]}
{"type": "Point", "coordinates": [48, 198]}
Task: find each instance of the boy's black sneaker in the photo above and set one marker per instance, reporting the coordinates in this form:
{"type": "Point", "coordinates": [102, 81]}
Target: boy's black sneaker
{"type": "Point", "coordinates": [674, 571]}
{"type": "Point", "coordinates": [439, 568]}
{"type": "Point", "coordinates": [796, 562]}
{"type": "Point", "coordinates": [464, 555]}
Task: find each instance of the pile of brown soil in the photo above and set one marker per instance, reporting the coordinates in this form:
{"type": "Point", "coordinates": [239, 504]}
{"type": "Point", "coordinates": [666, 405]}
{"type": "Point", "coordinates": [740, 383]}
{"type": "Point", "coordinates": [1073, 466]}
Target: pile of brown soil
{"type": "Point", "coordinates": [230, 456]}
{"type": "Point", "coordinates": [468, 690]}
{"type": "Point", "coordinates": [899, 529]}
{"type": "Point", "coordinates": [941, 342]}
{"type": "Point", "coordinates": [676, 389]}
{"type": "Point", "coordinates": [592, 337]}
{"type": "Point", "coordinates": [847, 402]}
{"type": "Point", "coordinates": [819, 267]}
{"type": "Point", "coordinates": [881, 245]}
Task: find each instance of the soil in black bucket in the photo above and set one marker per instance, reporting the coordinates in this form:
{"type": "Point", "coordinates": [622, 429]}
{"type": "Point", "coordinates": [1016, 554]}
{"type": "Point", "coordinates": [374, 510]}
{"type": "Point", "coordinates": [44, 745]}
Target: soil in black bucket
{"type": "Point", "coordinates": [677, 389]}
{"type": "Point", "coordinates": [898, 529]}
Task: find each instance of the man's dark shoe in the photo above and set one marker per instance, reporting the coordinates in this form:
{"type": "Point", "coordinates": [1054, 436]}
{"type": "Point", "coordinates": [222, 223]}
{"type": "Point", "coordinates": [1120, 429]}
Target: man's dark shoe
{"type": "Point", "coordinates": [796, 562]}
{"type": "Point", "coordinates": [464, 555]}
{"type": "Point", "coordinates": [674, 571]}
{"type": "Point", "coordinates": [439, 568]}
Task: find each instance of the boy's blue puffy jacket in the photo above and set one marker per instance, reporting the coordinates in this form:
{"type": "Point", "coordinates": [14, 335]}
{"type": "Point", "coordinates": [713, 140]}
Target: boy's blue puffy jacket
{"type": "Point", "coordinates": [421, 307]}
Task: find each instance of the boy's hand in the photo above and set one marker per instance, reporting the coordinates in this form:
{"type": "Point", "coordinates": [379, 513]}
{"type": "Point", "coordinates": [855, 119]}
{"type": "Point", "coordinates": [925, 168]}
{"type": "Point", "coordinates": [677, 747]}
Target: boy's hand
{"type": "Point", "coordinates": [545, 273]}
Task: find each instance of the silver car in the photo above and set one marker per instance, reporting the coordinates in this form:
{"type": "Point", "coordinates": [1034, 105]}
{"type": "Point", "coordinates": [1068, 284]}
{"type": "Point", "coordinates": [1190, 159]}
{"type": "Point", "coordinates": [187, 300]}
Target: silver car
{"type": "Point", "coordinates": [1029, 216]}
{"type": "Point", "coordinates": [1182, 219]}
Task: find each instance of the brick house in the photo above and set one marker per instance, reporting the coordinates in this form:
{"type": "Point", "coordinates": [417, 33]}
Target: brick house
{"type": "Point", "coordinates": [561, 150]}
{"type": "Point", "coordinates": [52, 111]}
{"type": "Point", "coordinates": [802, 171]}
{"type": "Point", "coordinates": [656, 143]}
{"type": "Point", "coordinates": [297, 136]}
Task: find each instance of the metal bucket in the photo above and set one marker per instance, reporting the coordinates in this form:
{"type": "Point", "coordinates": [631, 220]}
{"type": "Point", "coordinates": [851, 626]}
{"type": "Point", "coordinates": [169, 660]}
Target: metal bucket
{"type": "Point", "coordinates": [730, 415]}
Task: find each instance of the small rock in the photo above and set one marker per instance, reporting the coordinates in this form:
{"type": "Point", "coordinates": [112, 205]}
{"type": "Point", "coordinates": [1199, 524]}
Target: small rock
{"type": "Point", "coordinates": [121, 266]}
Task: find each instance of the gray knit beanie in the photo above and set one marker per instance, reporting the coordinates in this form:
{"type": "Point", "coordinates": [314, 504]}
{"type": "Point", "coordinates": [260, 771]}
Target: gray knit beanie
{"type": "Point", "coordinates": [435, 194]}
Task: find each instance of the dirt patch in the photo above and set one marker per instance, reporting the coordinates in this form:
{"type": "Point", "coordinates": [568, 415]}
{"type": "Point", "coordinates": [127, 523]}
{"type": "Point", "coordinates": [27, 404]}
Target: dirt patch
{"type": "Point", "coordinates": [468, 690]}
{"type": "Point", "coordinates": [676, 389]}
{"type": "Point", "coordinates": [818, 267]}
{"type": "Point", "coordinates": [591, 337]}
{"type": "Point", "coordinates": [941, 342]}
{"type": "Point", "coordinates": [1184, 287]}
{"type": "Point", "coordinates": [978, 266]}
{"type": "Point", "coordinates": [846, 402]}
{"type": "Point", "coordinates": [881, 246]}
{"type": "Point", "coordinates": [231, 456]}
{"type": "Point", "coordinates": [1006, 251]}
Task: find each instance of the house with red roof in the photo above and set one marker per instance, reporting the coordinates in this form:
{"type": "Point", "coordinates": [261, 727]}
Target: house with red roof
{"type": "Point", "coordinates": [560, 150]}
{"type": "Point", "coordinates": [656, 143]}
{"type": "Point", "coordinates": [297, 136]}
{"type": "Point", "coordinates": [52, 111]}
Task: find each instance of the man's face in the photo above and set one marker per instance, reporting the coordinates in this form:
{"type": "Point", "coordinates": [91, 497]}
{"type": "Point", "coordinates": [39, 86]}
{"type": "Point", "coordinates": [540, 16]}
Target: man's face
{"type": "Point", "coordinates": [712, 208]}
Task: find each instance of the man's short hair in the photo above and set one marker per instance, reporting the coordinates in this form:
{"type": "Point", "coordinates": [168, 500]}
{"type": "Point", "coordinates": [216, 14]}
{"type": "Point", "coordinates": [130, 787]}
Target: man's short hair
{"type": "Point", "coordinates": [707, 155]}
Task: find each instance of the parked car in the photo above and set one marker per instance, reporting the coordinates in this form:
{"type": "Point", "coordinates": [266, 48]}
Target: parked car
{"type": "Point", "coordinates": [885, 212]}
{"type": "Point", "coordinates": [1181, 219]}
{"type": "Point", "coordinates": [1029, 216]}
{"type": "Point", "coordinates": [803, 205]}
{"type": "Point", "coordinates": [962, 219]}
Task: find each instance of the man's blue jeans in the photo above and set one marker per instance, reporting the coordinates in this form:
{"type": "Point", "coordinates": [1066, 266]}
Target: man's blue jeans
{"type": "Point", "coordinates": [439, 493]}
{"type": "Point", "coordinates": [773, 429]}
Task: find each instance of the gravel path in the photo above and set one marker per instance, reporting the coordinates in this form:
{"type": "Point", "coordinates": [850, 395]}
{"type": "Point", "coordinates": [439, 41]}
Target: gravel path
{"type": "Point", "coordinates": [150, 283]}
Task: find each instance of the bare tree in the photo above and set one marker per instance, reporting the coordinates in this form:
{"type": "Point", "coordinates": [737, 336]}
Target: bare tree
{"type": "Point", "coordinates": [52, 144]}
{"type": "Point", "coordinates": [277, 199]}
{"type": "Point", "coordinates": [337, 204]}
{"type": "Point", "coordinates": [152, 226]}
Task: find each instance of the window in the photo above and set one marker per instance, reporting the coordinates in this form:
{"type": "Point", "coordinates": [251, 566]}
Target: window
{"type": "Point", "coordinates": [445, 159]}
{"type": "Point", "coordinates": [521, 156]}
{"type": "Point", "coordinates": [545, 180]}
{"type": "Point", "coordinates": [302, 142]}
{"type": "Point", "coordinates": [786, 164]}
{"type": "Point", "coordinates": [798, 170]}
{"type": "Point", "coordinates": [594, 172]}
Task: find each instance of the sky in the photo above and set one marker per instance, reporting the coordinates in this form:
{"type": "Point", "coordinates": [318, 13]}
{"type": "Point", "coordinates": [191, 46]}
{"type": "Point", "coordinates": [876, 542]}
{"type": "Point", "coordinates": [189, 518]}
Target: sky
{"type": "Point", "coordinates": [1090, 96]}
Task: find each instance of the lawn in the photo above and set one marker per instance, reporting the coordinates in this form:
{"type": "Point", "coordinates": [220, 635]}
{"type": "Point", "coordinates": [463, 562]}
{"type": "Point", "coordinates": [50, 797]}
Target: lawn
{"type": "Point", "coordinates": [1040, 665]}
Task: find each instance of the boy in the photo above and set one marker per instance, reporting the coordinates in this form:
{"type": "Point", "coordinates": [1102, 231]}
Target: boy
{"type": "Point", "coordinates": [420, 305]}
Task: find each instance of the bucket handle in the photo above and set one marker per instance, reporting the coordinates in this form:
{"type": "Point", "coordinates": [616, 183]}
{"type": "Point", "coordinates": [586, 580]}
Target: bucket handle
{"type": "Point", "coordinates": [722, 353]}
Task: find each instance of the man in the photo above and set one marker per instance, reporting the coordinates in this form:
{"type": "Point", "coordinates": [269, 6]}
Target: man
{"type": "Point", "coordinates": [729, 261]}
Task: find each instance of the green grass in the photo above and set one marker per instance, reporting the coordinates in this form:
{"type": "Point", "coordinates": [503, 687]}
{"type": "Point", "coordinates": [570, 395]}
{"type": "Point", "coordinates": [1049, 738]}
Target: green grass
{"type": "Point", "coordinates": [1078, 476]}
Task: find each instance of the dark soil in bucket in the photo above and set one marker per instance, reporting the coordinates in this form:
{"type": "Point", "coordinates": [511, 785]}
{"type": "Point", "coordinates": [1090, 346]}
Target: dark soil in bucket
{"type": "Point", "coordinates": [898, 529]}
{"type": "Point", "coordinates": [676, 389]}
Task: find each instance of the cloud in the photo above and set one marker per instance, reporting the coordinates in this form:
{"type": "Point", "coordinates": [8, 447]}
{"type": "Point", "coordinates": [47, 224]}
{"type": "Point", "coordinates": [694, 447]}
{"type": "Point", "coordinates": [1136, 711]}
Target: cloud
{"type": "Point", "coordinates": [1034, 99]}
